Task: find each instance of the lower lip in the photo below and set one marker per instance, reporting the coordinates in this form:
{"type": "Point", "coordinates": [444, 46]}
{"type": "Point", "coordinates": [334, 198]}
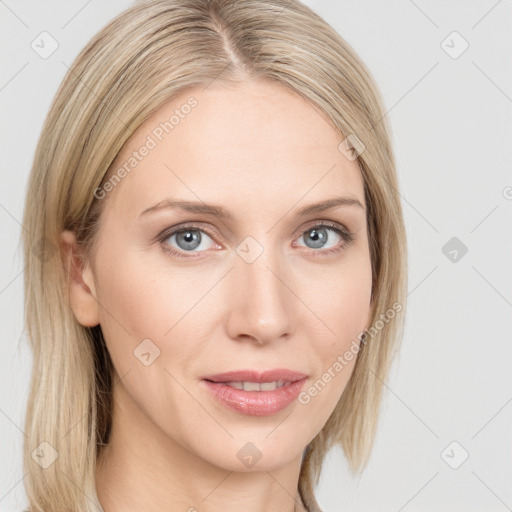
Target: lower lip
{"type": "Point", "coordinates": [255, 403]}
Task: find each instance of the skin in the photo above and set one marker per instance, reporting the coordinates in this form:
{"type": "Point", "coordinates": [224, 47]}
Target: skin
{"type": "Point", "coordinates": [262, 152]}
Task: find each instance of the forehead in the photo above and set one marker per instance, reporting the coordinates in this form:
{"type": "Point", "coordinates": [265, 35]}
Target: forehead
{"type": "Point", "coordinates": [251, 145]}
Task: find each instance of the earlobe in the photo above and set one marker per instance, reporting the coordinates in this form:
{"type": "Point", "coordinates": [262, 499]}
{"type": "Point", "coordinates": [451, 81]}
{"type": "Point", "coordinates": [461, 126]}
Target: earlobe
{"type": "Point", "coordinates": [79, 280]}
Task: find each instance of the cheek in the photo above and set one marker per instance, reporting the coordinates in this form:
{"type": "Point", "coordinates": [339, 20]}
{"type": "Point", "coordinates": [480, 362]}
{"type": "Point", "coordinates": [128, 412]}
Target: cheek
{"type": "Point", "coordinates": [339, 300]}
{"type": "Point", "coordinates": [151, 320]}
{"type": "Point", "coordinates": [165, 304]}
{"type": "Point", "coordinates": [343, 310]}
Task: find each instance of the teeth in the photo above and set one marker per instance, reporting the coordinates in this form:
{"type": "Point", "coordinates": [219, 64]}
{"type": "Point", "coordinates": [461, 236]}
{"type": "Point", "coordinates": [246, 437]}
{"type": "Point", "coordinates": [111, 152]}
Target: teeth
{"type": "Point", "coordinates": [236, 385]}
{"type": "Point", "coordinates": [256, 386]}
{"type": "Point", "coordinates": [269, 386]}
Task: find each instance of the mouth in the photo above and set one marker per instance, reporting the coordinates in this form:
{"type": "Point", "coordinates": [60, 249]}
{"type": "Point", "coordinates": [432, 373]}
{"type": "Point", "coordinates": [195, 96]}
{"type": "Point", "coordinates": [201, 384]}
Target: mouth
{"type": "Point", "coordinates": [255, 394]}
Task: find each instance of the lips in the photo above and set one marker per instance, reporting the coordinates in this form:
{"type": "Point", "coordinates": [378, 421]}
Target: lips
{"type": "Point", "coordinates": [260, 394]}
{"type": "Point", "coordinates": [255, 403]}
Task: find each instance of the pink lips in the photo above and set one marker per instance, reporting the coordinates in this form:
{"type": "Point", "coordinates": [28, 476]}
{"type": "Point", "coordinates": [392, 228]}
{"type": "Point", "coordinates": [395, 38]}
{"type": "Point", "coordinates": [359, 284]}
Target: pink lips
{"type": "Point", "coordinates": [255, 403]}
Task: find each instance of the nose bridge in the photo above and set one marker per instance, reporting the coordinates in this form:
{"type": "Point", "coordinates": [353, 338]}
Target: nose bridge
{"type": "Point", "coordinates": [262, 307]}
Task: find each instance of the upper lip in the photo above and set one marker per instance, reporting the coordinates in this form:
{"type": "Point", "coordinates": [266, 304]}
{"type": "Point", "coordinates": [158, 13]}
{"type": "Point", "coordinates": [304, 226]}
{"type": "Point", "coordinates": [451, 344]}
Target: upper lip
{"type": "Point", "coordinates": [254, 376]}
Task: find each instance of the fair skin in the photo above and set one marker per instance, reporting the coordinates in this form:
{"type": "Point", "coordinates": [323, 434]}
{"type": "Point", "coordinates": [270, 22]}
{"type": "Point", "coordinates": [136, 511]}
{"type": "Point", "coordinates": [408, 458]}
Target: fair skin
{"type": "Point", "coordinates": [263, 153]}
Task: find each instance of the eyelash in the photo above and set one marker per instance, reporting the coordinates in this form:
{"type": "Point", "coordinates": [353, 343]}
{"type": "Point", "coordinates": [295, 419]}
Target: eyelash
{"type": "Point", "coordinates": [346, 235]}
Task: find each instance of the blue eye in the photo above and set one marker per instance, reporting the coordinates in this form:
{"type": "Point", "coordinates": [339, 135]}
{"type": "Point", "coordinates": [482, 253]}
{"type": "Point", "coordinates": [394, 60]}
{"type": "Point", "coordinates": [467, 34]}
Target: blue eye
{"type": "Point", "coordinates": [319, 235]}
{"type": "Point", "coordinates": [189, 239]}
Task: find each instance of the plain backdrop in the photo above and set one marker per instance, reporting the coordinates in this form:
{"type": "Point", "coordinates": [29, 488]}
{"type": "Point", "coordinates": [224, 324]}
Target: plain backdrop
{"type": "Point", "coordinates": [445, 71]}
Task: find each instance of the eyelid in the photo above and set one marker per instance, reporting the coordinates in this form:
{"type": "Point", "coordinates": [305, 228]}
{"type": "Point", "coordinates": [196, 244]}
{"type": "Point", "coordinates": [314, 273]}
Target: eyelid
{"type": "Point", "coordinates": [183, 226]}
{"type": "Point", "coordinates": [324, 222]}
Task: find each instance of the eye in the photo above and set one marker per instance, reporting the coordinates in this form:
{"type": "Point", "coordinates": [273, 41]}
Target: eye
{"type": "Point", "coordinates": [320, 236]}
{"type": "Point", "coordinates": [189, 239]}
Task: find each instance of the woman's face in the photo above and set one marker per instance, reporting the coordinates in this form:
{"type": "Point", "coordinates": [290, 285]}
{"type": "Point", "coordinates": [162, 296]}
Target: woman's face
{"type": "Point", "coordinates": [260, 287]}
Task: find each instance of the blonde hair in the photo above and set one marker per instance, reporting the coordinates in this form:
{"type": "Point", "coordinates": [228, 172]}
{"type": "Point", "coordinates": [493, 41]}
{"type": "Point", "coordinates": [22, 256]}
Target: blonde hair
{"type": "Point", "coordinates": [149, 53]}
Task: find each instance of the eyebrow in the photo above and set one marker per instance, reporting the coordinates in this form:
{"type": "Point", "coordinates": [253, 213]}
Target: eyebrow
{"type": "Point", "coordinates": [221, 212]}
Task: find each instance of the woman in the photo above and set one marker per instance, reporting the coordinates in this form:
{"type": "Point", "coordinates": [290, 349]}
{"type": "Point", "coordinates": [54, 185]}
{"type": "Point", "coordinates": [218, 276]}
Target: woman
{"type": "Point", "coordinates": [216, 263]}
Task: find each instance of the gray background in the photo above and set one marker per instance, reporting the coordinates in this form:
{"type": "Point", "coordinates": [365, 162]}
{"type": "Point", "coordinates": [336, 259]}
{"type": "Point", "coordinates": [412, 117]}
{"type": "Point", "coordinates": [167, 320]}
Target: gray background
{"type": "Point", "coordinates": [451, 118]}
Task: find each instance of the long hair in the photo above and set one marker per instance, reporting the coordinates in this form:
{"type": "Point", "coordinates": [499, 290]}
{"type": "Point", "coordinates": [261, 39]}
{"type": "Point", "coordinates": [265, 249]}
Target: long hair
{"type": "Point", "coordinates": [146, 55]}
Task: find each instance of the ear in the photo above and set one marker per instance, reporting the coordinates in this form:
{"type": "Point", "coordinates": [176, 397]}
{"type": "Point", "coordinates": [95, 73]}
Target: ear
{"type": "Point", "coordinates": [80, 281]}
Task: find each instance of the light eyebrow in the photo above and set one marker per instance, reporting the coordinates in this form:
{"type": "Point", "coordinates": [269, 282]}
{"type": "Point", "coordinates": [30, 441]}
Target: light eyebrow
{"type": "Point", "coordinates": [330, 204]}
{"type": "Point", "coordinates": [190, 206]}
{"type": "Point", "coordinates": [221, 212]}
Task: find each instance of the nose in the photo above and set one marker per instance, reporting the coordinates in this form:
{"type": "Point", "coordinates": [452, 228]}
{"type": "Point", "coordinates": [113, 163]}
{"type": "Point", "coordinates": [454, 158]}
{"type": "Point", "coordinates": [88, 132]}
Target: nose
{"type": "Point", "coordinates": [260, 301]}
